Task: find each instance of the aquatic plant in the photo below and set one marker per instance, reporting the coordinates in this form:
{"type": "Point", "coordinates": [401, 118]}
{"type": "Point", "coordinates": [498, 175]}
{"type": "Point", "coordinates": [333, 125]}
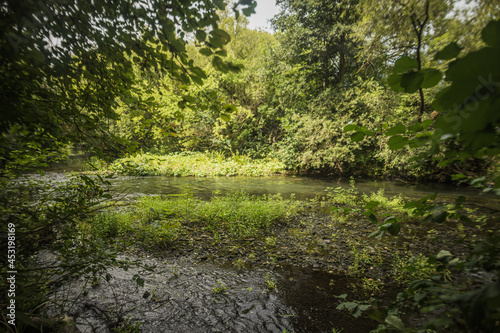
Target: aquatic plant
{"type": "Point", "coordinates": [220, 287]}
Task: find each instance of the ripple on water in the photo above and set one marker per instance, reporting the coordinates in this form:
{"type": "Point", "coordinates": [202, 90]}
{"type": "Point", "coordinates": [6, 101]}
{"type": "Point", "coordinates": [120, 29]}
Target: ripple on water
{"type": "Point", "coordinates": [179, 296]}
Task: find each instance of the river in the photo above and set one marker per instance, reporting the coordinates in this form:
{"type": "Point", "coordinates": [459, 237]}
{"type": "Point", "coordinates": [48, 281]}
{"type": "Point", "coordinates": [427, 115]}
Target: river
{"type": "Point", "coordinates": [185, 295]}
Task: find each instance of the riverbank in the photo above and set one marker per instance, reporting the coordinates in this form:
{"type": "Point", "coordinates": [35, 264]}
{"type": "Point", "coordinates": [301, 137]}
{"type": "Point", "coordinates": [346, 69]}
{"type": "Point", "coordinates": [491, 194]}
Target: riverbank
{"type": "Point", "coordinates": [191, 164]}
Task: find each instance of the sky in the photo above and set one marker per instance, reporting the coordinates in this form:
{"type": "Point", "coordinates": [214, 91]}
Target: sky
{"type": "Point", "coordinates": [265, 10]}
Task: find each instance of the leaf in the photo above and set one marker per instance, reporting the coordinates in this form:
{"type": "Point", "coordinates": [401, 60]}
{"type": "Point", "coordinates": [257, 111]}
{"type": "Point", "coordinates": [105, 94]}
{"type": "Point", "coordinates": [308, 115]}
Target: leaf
{"type": "Point", "coordinates": [394, 81]}
{"type": "Point", "coordinates": [451, 51]}
{"type": "Point", "coordinates": [350, 305]}
{"type": "Point", "coordinates": [394, 228]}
{"type": "Point", "coordinates": [371, 204]}
{"type": "Point", "coordinates": [373, 218]}
{"type": "Point", "coordinates": [222, 53]}
{"type": "Point", "coordinates": [225, 117]}
{"type": "Point", "coordinates": [443, 254]}
{"type": "Point", "coordinates": [220, 4]}
{"type": "Point", "coordinates": [412, 81]}
{"type": "Point", "coordinates": [395, 322]}
{"type": "Point", "coordinates": [219, 64]}
{"type": "Point", "coordinates": [221, 35]}
{"type": "Point", "coordinates": [397, 142]}
{"type": "Point", "coordinates": [431, 77]}
{"type": "Point", "coordinates": [358, 136]}
{"type": "Point", "coordinates": [201, 35]}
{"type": "Point", "coordinates": [248, 11]}
{"type": "Point", "coordinates": [350, 127]}
{"type": "Point", "coordinates": [206, 51]}
{"type": "Point", "coordinates": [229, 108]}
{"type": "Point", "coordinates": [404, 64]}
{"type": "Point", "coordinates": [491, 33]}
{"type": "Point", "coordinates": [398, 129]}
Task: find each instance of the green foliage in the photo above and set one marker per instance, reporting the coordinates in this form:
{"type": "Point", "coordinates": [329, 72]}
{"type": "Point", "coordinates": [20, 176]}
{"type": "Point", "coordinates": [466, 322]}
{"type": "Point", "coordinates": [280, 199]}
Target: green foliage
{"type": "Point", "coordinates": [238, 215]}
{"type": "Point", "coordinates": [47, 217]}
{"type": "Point", "coordinates": [457, 305]}
{"type": "Point", "coordinates": [196, 164]}
{"type": "Point", "coordinates": [156, 223]}
{"type": "Point", "coordinates": [55, 93]}
{"type": "Point", "coordinates": [220, 288]}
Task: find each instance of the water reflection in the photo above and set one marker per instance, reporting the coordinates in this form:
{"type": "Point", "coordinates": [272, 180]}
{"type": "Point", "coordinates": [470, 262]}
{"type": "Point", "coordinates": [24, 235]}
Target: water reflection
{"type": "Point", "coordinates": [300, 187]}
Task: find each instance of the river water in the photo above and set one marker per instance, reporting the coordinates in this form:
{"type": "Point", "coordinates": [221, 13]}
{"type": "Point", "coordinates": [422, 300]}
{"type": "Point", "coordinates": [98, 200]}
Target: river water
{"type": "Point", "coordinates": [180, 295]}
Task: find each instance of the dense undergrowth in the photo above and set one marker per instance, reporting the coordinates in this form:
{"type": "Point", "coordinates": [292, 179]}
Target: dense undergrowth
{"type": "Point", "coordinates": [193, 164]}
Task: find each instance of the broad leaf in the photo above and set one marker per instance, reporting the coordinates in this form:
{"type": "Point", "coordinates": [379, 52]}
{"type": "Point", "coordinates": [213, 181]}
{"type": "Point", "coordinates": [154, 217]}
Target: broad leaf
{"type": "Point", "coordinates": [451, 51]}
{"type": "Point", "coordinates": [397, 142]}
{"type": "Point", "coordinates": [404, 64]}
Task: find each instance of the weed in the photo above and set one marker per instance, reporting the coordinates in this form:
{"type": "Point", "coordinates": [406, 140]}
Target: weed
{"type": "Point", "coordinates": [239, 263]}
{"type": "Point", "coordinates": [220, 287]}
{"type": "Point", "coordinates": [271, 241]}
{"type": "Point", "coordinates": [270, 283]}
{"type": "Point", "coordinates": [371, 286]}
{"type": "Point", "coordinates": [127, 326]}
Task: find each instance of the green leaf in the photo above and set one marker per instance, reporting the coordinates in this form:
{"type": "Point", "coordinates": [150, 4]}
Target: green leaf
{"type": "Point", "coordinates": [412, 81]}
{"type": "Point", "coordinates": [395, 322]}
{"type": "Point", "coordinates": [225, 117]}
{"type": "Point", "coordinates": [404, 64]}
{"type": "Point", "coordinates": [451, 51]}
{"type": "Point", "coordinates": [206, 51]}
{"type": "Point", "coordinates": [229, 108]}
{"type": "Point", "coordinates": [394, 228]}
{"type": "Point", "coordinates": [431, 77]}
{"type": "Point", "coordinates": [358, 136]}
{"type": "Point", "coordinates": [397, 142]}
{"type": "Point", "coordinates": [222, 53]}
{"type": "Point", "coordinates": [350, 305]}
{"type": "Point", "coordinates": [443, 254]}
{"type": "Point", "coordinates": [350, 127]}
{"type": "Point", "coordinates": [220, 4]}
{"type": "Point", "coordinates": [371, 204]}
{"type": "Point", "coordinates": [221, 35]}
{"type": "Point", "coordinates": [491, 33]}
{"type": "Point", "coordinates": [219, 64]}
{"type": "Point", "coordinates": [198, 71]}
{"type": "Point", "coordinates": [140, 282]}
{"type": "Point", "coordinates": [248, 11]}
{"type": "Point", "coordinates": [398, 129]}
{"type": "Point", "coordinates": [394, 81]}
{"type": "Point", "coordinates": [201, 35]}
{"type": "Point", "coordinates": [373, 219]}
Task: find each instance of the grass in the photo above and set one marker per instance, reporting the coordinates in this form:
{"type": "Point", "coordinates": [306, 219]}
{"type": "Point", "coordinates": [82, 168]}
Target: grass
{"type": "Point", "coordinates": [158, 221]}
{"type": "Point", "coordinates": [194, 164]}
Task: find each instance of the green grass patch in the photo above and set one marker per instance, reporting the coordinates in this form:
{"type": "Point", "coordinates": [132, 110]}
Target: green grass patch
{"type": "Point", "coordinates": [196, 164]}
{"type": "Point", "coordinates": [158, 221]}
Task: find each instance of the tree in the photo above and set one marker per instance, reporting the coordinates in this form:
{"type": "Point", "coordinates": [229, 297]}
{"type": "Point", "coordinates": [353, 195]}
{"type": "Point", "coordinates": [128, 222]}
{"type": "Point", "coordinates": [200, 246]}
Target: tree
{"type": "Point", "coordinates": [316, 35]}
{"type": "Point", "coordinates": [63, 65]}
{"type": "Point", "coordinates": [391, 29]}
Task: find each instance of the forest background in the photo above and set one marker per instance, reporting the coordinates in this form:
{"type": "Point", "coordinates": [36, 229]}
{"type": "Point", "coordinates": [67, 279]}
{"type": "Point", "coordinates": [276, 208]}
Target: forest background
{"type": "Point", "coordinates": [343, 87]}
{"type": "Point", "coordinates": [284, 96]}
